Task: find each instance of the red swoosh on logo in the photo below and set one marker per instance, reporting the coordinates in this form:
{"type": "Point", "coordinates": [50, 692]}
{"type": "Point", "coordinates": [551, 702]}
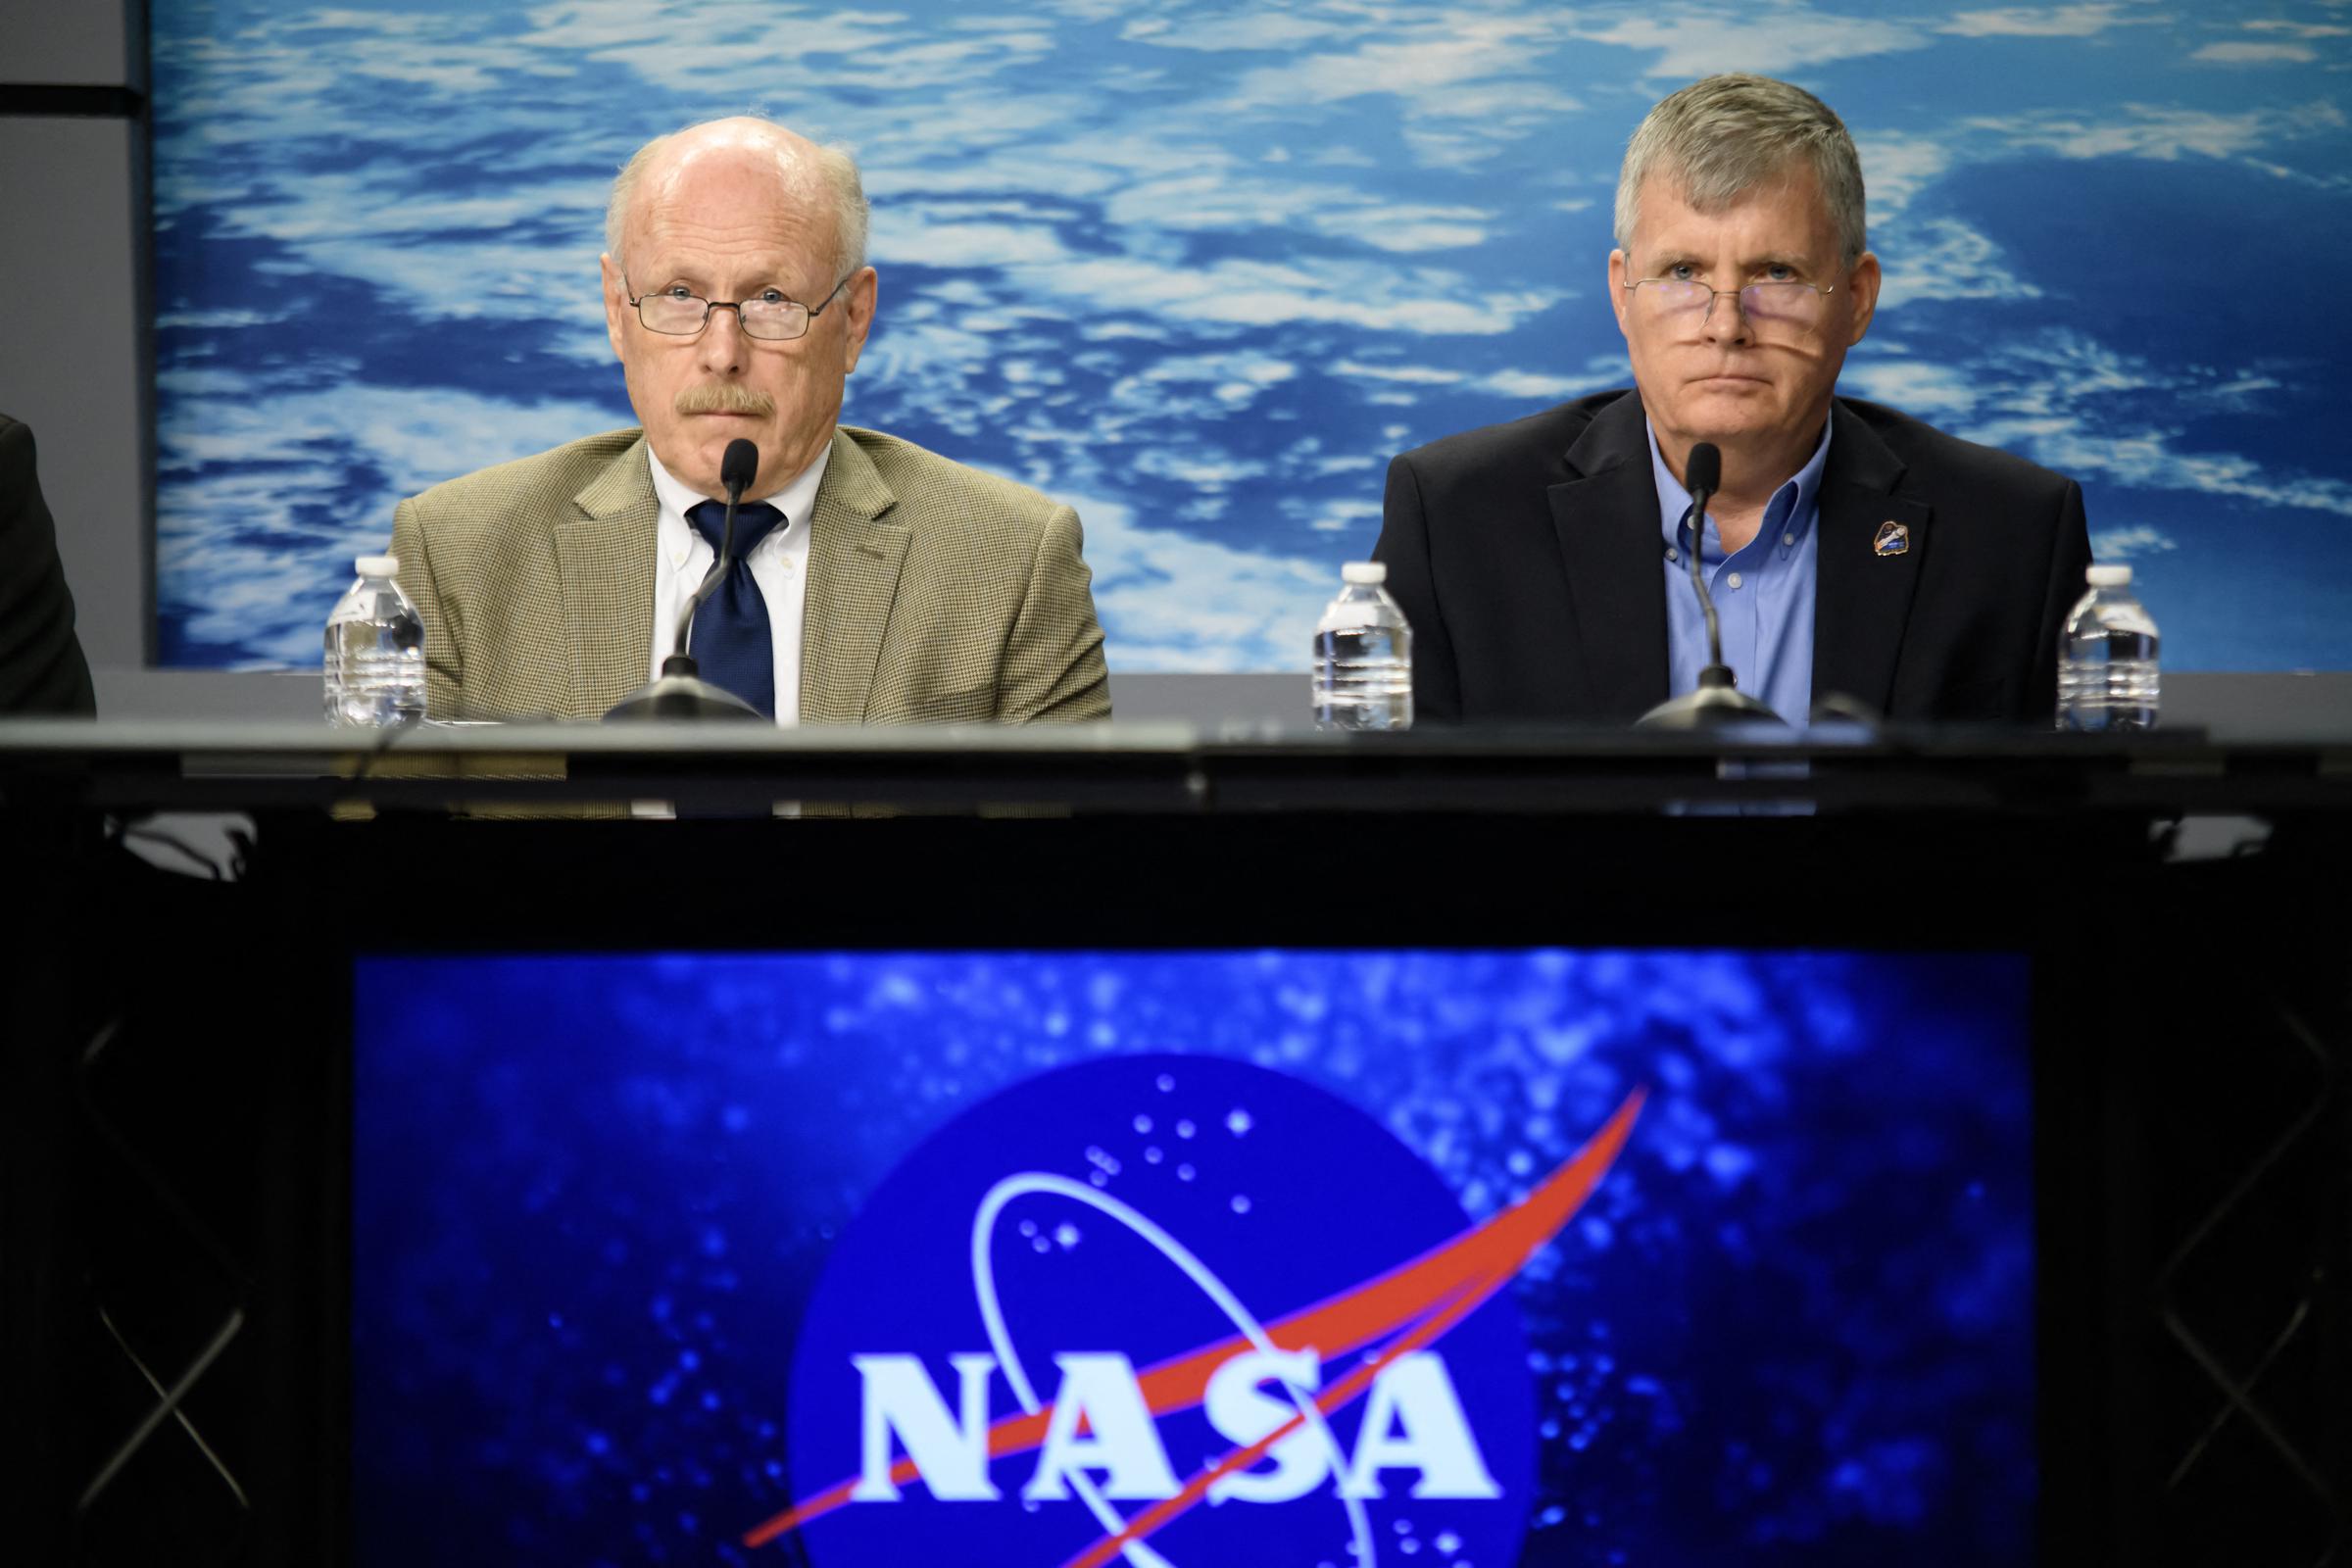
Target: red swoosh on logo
{"type": "Point", "coordinates": [1417, 1302]}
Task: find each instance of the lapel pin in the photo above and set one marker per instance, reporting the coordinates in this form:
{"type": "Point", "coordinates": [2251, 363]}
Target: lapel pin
{"type": "Point", "coordinates": [1893, 540]}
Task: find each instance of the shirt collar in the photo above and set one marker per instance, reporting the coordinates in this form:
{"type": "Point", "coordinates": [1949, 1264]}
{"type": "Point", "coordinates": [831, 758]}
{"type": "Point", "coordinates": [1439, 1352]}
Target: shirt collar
{"type": "Point", "coordinates": [795, 500]}
{"type": "Point", "coordinates": [1790, 509]}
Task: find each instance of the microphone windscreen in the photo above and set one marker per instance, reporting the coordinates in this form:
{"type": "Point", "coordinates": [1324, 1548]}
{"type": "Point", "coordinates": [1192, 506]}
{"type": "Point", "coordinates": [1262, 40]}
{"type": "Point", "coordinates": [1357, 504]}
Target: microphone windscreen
{"type": "Point", "coordinates": [1704, 470]}
{"type": "Point", "coordinates": [741, 461]}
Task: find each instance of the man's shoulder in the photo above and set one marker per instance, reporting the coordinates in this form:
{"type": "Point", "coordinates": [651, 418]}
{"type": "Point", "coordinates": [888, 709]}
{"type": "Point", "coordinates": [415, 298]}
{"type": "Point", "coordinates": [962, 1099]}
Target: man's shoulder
{"type": "Point", "coordinates": [929, 487]}
{"type": "Point", "coordinates": [1934, 457]}
{"type": "Point", "coordinates": [1541, 438]}
{"type": "Point", "coordinates": [549, 478]}
{"type": "Point", "coordinates": [16, 447]}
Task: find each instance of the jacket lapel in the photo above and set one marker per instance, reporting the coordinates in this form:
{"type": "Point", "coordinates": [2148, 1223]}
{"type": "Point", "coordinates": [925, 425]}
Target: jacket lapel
{"type": "Point", "coordinates": [854, 564]}
{"type": "Point", "coordinates": [1606, 518]}
{"type": "Point", "coordinates": [604, 557]}
{"type": "Point", "coordinates": [1863, 596]}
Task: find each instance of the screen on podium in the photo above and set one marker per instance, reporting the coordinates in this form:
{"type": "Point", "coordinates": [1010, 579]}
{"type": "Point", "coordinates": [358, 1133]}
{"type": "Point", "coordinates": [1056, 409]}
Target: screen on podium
{"type": "Point", "coordinates": [1333, 1259]}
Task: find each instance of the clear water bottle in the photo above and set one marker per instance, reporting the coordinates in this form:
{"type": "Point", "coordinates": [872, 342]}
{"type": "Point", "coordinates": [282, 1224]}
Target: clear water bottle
{"type": "Point", "coordinates": [2107, 659]}
{"type": "Point", "coordinates": [1364, 656]}
{"type": "Point", "coordinates": [375, 651]}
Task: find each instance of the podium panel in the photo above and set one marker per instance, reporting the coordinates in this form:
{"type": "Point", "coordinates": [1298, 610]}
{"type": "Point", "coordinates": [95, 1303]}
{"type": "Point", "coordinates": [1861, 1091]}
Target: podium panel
{"type": "Point", "coordinates": [1842, 1152]}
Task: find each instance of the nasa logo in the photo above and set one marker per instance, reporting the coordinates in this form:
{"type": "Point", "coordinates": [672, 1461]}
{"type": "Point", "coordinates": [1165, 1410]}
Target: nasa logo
{"type": "Point", "coordinates": [1169, 1310]}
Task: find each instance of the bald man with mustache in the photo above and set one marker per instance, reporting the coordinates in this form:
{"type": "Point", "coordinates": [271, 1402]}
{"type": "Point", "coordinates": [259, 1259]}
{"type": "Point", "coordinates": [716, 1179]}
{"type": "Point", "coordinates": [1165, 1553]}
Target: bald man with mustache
{"type": "Point", "coordinates": [878, 582]}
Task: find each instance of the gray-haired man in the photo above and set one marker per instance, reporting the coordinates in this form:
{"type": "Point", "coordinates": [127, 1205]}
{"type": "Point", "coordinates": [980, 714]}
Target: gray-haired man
{"type": "Point", "coordinates": [875, 582]}
{"type": "Point", "coordinates": [1850, 552]}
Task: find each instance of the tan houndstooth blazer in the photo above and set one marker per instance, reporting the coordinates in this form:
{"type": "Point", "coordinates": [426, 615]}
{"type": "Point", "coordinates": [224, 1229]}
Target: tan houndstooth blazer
{"type": "Point", "coordinates": [937, 594]}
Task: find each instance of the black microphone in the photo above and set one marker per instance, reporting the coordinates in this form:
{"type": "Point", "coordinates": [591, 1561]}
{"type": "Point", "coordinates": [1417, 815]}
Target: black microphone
{"type": "Point", "coordinates": [1702, 471]}
{"type": "Point", "coordinates": [736, 467]}
{"type": "Point", "coordinates": [1702, 474]}
{"type": "Point", "coordinates": [1717, 696]}
{"type": "Point", "coordinates": [682, 692]}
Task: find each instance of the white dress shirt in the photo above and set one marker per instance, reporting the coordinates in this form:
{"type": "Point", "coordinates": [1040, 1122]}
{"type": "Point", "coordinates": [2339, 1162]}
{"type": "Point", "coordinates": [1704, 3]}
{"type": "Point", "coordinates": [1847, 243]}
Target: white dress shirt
{"type": "Point", "coordinates": [779, 565]}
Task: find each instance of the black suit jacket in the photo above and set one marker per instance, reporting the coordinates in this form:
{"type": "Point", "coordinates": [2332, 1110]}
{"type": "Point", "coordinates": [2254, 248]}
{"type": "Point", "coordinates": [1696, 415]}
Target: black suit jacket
{"type": "Point", "coordinates": [41, 667]}
{"type": "Point", "coordinates": [1526, 558]}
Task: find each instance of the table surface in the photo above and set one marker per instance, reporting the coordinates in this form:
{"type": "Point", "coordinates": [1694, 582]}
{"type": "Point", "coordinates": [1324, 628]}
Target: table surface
{"type": "Point", "coordinates": [1165, 766]}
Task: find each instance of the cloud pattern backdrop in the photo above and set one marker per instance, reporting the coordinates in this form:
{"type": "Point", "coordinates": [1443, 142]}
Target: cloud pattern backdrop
{"type": "Point", "coordinates": [1202, 269]}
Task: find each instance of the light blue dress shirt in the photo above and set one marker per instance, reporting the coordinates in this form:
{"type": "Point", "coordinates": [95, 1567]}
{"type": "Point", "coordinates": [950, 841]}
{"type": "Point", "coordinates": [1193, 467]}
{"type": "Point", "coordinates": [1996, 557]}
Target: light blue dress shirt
{"type": "Point", "coordinates": [1763, 592]}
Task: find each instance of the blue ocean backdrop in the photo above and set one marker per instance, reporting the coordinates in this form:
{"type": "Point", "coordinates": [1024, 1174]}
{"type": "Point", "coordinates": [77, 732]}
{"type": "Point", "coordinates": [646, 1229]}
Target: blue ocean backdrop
{"type": "Point", "coordinates": [1200, 270]}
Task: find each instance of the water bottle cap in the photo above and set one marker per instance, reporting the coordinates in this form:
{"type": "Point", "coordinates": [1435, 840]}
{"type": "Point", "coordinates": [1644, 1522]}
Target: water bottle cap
{"type": "Point", "coordinates": [1365, 574]}
{"type": "Point", "coordinates": [2109, 576]}
{"type": "Point", "coordinates": [387, 565]}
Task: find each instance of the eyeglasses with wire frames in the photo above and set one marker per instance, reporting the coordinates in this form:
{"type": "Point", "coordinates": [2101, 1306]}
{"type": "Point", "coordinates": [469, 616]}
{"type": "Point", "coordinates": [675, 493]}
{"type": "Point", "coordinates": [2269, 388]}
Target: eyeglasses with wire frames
{"type": "Point", "coordinates": [767, 315]}
{"type": "Point", "coordinates": [1782, 299]}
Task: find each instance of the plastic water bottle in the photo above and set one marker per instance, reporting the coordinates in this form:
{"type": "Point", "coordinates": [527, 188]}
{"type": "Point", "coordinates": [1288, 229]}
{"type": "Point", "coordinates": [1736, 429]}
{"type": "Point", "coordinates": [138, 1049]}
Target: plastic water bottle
{"type": "Point", "coordinates": [1364, 656]}
{"type": "Point", "coordinates": [2107, 659]}
{"type": "Point", "coordinates": [375, 651]}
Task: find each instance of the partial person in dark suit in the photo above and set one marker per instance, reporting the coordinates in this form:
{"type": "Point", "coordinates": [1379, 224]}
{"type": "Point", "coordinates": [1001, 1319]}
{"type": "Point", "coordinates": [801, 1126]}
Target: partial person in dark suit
{"type": "Point", "coordinates": [1851, 552]}
{"type": "Point", "coordinates": [41, 667]}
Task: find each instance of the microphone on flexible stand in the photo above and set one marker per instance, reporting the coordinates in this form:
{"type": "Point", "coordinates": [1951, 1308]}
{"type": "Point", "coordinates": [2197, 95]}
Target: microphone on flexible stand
{"type": "Point", "coordinates": [1717, 698]}
{"type": "Point", "coordinates": [682, 692]}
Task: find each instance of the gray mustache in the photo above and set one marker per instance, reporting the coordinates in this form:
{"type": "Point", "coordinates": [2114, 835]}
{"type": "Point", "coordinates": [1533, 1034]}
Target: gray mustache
{"type": "Point", "coordinates": [724, 397]}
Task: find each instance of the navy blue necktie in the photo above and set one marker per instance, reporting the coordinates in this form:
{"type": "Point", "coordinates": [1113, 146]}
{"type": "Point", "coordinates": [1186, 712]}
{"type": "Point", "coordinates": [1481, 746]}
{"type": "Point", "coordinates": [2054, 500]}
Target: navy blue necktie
{"type": "Point", "coordinates": [733, 643]}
